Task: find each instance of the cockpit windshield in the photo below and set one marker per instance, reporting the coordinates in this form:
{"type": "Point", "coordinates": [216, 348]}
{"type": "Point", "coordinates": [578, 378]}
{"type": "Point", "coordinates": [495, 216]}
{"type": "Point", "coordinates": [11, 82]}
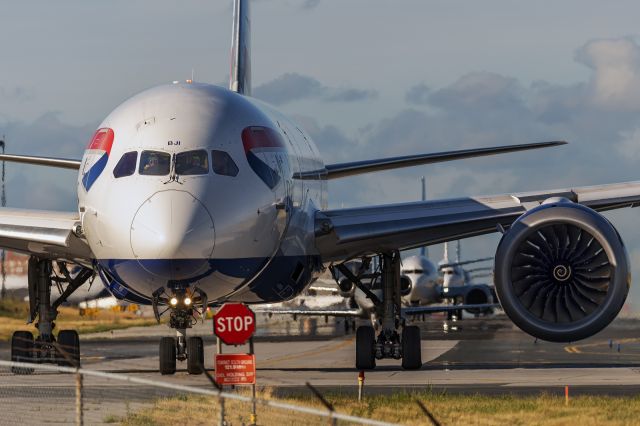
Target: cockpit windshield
{"type": "Point", "coordinates": [192, 163]}
{"type": "Point", "coordinates": [154, 163]}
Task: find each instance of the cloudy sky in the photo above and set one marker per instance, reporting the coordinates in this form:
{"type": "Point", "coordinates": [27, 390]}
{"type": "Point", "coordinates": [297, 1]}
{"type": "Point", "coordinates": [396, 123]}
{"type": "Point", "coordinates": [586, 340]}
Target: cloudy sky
{"type": "Point", "coordinates": [366, 78]}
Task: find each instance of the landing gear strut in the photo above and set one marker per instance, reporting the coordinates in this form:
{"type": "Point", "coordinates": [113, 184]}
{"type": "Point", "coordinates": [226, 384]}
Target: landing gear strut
{"type": "Point", "coordinates": [389, 343]}
{"type": "Point", "coordinates": [45, 348]}
{"type": "Point", "coordinates": [182, 316]}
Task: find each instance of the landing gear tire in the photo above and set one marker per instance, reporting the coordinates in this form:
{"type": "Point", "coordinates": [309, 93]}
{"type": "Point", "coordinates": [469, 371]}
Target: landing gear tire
{"type": "Point", "coordinates": [365, 348]}
{"type": "Point", "coordinates": [22, 351]}
{"type": "Point", "coordinates": [167, 355]}
{"type": "Point", "coordinates": [195, 355]}
{"type": "Point", "coordinates": [411, 349]}
{"type": "Point", "coordinates": [69, 342]}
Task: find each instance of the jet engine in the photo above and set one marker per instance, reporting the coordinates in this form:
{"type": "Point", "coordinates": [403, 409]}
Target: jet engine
{"type": "Point", "coordinates": [405, 285]}
{"type": "Point", "coordinates": [347, 288]}
{"type": "Point", "coordinates": [561, 271]}
{"type": "Point", "coordinates": [478, 295]}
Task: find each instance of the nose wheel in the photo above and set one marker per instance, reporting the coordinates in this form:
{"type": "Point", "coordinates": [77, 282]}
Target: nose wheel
{"type": "Point", "coordinates": [182, 317]}
{"type": "Point", "coordinates": [167, 355]}
{"type": "Point", "coordinates": [194, 355]}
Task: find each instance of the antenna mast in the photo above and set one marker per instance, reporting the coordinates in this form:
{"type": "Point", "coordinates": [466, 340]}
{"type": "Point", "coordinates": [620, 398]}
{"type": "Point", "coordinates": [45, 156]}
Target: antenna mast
{"type": "Point", "coordinates": [424, 252]}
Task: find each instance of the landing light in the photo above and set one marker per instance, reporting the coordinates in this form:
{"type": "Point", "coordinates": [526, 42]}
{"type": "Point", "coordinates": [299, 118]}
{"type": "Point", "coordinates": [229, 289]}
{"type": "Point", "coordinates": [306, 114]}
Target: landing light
{"type": "Point", "coordinates": [187, 301]}
{"type": "Point", "coordinates": [173, 301]}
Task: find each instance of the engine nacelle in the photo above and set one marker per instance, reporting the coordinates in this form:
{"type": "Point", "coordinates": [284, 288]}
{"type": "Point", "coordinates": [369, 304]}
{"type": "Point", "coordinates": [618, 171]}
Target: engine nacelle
{"type": "Point", "coordinates": [478, 296]}
{"type": "Point", "coordinates": [347, 288]}
{"type": "Point", "coordinates": [405, 285]}
{"type": "Point", "coordinates": [562, 272]}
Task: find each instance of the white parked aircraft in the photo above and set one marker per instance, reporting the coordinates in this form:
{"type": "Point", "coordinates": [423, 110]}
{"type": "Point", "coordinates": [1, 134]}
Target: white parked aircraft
{"type": "Point", "coordinates": [423, 285]}
{"type": "Point", "coordinates": [191, 194]}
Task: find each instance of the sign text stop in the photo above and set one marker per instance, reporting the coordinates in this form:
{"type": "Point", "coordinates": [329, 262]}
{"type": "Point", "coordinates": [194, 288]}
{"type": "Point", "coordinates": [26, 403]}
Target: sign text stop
{"type": "Point", "coordinates": [234, 323]}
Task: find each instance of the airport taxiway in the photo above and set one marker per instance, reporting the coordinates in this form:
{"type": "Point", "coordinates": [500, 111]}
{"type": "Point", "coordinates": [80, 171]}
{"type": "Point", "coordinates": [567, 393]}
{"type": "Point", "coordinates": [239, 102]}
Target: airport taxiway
{"type": "Point", "coordinates": [477, 354]}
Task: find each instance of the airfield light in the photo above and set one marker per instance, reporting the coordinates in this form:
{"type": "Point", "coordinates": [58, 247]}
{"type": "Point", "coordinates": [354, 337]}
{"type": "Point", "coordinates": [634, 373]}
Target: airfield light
{"type": "Point", "coordinates": [173, 301]}
{"type": "Point", "coordinates": [187, 301]}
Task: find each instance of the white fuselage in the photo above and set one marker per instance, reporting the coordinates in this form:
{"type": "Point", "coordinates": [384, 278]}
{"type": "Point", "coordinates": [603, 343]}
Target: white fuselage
{"type": "Point", "coordinates": [423, 275]}
{"type": "Point", "coordinates": [204, 197]}
{"type": "Point", "coordinates": [424, 289]}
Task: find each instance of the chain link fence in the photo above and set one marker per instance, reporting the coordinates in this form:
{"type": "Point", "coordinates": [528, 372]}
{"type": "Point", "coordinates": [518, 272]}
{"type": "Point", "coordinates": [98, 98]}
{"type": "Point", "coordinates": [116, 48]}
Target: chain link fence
{"type": "Point", "coordinates": [32, 393]}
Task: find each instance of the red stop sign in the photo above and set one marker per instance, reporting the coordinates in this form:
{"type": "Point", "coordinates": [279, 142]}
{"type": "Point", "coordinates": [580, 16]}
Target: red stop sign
{"type": "Point", "coordinates": [234, 323]}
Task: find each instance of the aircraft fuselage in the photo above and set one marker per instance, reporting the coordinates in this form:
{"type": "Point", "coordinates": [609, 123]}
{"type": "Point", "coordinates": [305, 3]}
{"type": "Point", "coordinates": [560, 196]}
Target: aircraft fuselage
{"type": "Point", "coordinates": [182, 178]}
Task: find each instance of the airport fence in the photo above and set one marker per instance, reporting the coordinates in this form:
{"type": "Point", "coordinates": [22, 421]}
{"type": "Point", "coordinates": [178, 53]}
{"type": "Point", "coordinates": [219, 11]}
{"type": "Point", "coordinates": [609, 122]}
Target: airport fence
{"type": "Point", "coordinates": [45, 393]}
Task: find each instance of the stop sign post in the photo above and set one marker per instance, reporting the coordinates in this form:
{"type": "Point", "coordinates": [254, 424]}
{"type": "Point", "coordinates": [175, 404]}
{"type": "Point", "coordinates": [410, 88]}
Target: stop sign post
{"type": "Point", "coordinates": [234, 323]}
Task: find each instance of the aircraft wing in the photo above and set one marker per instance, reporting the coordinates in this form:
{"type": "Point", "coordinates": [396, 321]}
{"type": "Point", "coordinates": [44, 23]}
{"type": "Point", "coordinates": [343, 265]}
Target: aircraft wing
{"type": "Point", "coordinates": [310, 312]}
{"type": "Point", "coordinates": [334, 171]}
{"type": "Point", "coordinates": [431, 309]}
{"type": "Point", "coordinates": [48, 234]}
{"type": "Point", "coordinates": [359, 313]}
{"type": "Point", "coordinates": [346, 233]}
{"type": "Point", "coordinates": [464, 262]}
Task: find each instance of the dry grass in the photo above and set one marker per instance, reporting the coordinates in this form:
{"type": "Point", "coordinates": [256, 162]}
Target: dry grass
{"type": "Point", "coordinates": [13, 314]}
{"type": "Point", "coordinates": [401, 408]}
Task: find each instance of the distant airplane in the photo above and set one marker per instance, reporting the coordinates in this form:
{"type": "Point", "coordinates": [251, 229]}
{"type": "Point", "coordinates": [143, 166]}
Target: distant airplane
{"type": "Point", "coordinates": [425, 287]}
{"type": "Point", "coordinates": [191, 194]}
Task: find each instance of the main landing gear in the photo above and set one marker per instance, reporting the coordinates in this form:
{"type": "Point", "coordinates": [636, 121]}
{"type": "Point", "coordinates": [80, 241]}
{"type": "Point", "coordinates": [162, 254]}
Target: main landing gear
{"type": "Point", "coordinates": [181, 317]}
{"type": "Point", "coordinates": [389, 343]}
{"type": "Point", "coordinates": [65, 350]}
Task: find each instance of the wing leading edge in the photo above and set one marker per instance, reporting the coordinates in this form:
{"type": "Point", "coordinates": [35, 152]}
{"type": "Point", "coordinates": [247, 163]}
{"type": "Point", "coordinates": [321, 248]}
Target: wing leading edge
{"type": "Point", "coordinates": [346, 233]}
{"type": "Point", "coordinates": [63, 163]}
{"type": "Point", "coordinates": [47, 234]}
{"type": "Point", "coordinates": [334, 171]}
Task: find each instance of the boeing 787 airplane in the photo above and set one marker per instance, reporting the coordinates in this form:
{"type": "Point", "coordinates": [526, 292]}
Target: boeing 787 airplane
{"type": "Point", "coordinates": [191, 195]}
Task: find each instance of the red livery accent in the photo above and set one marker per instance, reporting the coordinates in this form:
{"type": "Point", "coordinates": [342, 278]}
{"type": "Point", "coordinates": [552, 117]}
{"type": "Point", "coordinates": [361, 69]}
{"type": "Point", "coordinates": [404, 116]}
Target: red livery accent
{"type": "Point", "coordinates": [261, 137]}
{"type": "Point", "coordinates": [102, 140]}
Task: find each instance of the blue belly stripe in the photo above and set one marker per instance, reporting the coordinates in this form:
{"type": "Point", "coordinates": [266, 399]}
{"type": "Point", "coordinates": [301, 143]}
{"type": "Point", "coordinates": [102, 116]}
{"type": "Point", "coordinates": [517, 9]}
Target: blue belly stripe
{"type": "Point", "coordinates": [131, 279]}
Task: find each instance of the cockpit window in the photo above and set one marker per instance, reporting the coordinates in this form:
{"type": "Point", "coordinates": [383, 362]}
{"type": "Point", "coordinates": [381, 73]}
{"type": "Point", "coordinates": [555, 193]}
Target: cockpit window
{"type": "Point", "coordinates": [154, 163]}
{"type": "Point", "coordinates": [126, 166]}
{"type": "Point", "coordinates": [192, 163]}
{"type": "Point", "coordinates": [223, 164]}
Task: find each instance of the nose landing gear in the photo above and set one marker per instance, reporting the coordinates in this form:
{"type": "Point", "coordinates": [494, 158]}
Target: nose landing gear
{"type": "Point", "coordinates": [182, 316]}
{"type": "Point", "coordinates": [389, 342]}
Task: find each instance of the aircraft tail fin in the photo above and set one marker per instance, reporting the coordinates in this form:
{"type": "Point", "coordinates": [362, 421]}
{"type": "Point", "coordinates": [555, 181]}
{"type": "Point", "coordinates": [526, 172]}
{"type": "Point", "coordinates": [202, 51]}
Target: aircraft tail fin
{"type": "Point", "coordinates": [240, 79]}
{"type": "Point", "coordinates": [423, 249]}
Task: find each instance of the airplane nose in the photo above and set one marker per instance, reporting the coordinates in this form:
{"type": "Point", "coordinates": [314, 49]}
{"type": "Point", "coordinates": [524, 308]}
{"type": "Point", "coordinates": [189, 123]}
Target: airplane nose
{"type": "Point", "coordinates": [172, 235]}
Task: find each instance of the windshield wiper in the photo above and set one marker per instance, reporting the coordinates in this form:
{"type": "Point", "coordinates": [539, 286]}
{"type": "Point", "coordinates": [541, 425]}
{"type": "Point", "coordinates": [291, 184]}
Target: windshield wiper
{"type": "Point", "coordinates": [173, 176]}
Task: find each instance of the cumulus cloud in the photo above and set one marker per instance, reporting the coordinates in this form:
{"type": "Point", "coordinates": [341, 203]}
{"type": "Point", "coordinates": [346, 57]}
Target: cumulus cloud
{"type": "Point", "coordinates": [293, 87]}
{"type": "Point", "coordinates": [15, 94]}
{"type": "Point", "coordinates": [629, 145]}
{"type": "Point", "coordinates": [43, 187]}
{"type": "Point", "coordinates": [288, 88]}
{"type": "Point", "coordinates": [480, 91]}
{"type": "Point", "coordinates": [310, 4]}
{"type": "Point", "coordinates": [351, 95]}
{"type": "Point", "coordinates": [615, 82]}
{"type": "Point", "coordinates": [487, 109]}
{"type": "Point", "coordinates": [418, 94]}
{"type": "Point", "coordinates": [299, 4]}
